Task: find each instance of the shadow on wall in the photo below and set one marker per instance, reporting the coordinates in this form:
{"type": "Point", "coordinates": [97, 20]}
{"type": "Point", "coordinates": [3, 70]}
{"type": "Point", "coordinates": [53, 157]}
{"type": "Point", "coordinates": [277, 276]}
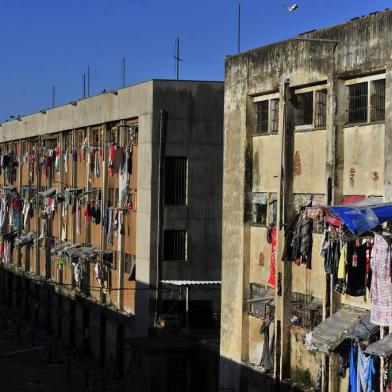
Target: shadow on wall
{"type": "Point", "coordinates": [236, 377]}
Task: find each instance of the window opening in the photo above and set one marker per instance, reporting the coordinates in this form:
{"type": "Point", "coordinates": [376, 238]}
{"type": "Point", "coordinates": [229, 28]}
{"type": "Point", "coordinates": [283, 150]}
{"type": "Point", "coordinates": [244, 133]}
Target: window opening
{"type": "Point", "coordinates": [306, 311]}
{"type": "Point", "coordinates": [358, 102]}
{"type": "Point", "coordinates": [177, 374]}
{"type": "Point", "coordinates": [175, 180]}
{"type": "Point", "coordinates": [304, 112]}
{"type": "Point", "coordinates": [274, 109]}
{"type": "Point", "coordinates": [174, 245]}
{"type": "Point", "coordinates": [259, 208]}
{"type": "Point", "coordinates": [377, 100]}
{"type": "Point", "coordinates": [321, 108]}
{"type": "Point", "coordinates": [261, 117]}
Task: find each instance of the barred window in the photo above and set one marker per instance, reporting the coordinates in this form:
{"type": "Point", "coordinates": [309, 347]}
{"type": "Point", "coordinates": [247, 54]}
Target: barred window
{"type": "Point", "coordinates": [321, 108]}
{"type": "Point", "coordinates": [358, 103]}
{"type": "Point", "coordinates": [175, 180]}
{"type": "Point", "coordinates": [261, 117]}
{"type": "Point", "coordinates": [304, 109]}
{"type": "Point", "coordinates": [177, 374]}
{"type": "Point", "coordinates": [274, 115]}
{"type": "Point", "coordinates": [96, 138]}
{"type": "Point", "coordinates": [306, 311]}
{"type": "Point", "coordinates": [174, 245]}
{"type": "Point", "coordinates": [377, 100]}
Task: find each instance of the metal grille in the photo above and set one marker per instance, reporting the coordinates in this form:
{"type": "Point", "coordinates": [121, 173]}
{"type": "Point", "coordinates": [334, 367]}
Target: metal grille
{"type": "Point", "coordinates": [174, 245]}
{"type": "Point", "coordinates": [377, 100]}
{"type": "Point", "coordinates": [274, 106]}
{"type": "Point", "coordinates": [321, 108]}
{"type": "Point", "coordinates": [177, 374]}
{"type": "Point", "coordinates": [358, 103]}
{"type": "Point", "coordinates": [175, 180]}
{"type": "Point", "coordinates": [261, 117]}
{"type": "Point", "coordinates": [304, 112]}
{"type": "Point", "coordinates": [303, 313]}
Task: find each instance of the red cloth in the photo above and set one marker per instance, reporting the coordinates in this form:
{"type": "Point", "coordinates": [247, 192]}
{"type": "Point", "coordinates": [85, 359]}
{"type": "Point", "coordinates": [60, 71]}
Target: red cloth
{"type": "Point", "coordinates": [87, 212]}
{"type": "Point", "coordinates": [272, 274]}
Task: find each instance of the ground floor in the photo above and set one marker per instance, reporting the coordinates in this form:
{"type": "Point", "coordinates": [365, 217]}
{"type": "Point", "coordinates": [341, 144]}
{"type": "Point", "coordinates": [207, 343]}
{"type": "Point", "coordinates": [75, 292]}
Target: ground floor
{"type": "Point", "coordinates": [102, 336]}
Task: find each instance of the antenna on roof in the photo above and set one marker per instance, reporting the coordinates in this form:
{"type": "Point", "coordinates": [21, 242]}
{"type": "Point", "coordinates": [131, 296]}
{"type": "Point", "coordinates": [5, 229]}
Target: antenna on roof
{"type": "Point", "coordinates": [123, 71]}
{"type": "Point", "coordinates": [177, 57]}
{"type": "Point", "coordinates": [88, 80]}
{"type": "Point", "coordinates": [53, 96]}
{"type": "Point", "coordinates": [84, 85]}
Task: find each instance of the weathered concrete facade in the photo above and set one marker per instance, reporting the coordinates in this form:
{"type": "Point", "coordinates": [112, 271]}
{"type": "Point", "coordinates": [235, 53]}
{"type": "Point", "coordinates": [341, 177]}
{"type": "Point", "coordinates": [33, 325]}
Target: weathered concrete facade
{"type": "Point", "coordinates": [170, 119]}
{"type": "Point", "coordinates": [329, 160]}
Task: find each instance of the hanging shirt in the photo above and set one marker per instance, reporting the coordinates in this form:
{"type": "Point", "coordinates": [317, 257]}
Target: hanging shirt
{"type": "Point", "coordinates": [356, 269]}
{"type": "Point", "coordinates": [381, 285]}
{"type": "Point", "coordinates": [366, 371]}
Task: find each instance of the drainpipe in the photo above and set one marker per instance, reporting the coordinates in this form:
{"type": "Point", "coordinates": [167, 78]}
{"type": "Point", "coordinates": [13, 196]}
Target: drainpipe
{"type": "Point", "coordinates": [161, 181]}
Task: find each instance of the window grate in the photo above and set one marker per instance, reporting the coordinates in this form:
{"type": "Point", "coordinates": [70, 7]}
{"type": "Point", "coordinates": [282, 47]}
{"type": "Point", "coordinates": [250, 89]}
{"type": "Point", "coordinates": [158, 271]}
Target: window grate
{"type": "Point", "coordinates": [304, 112]}
{"type": "Point", "coordinates": [274, 107]}
{"type": "Point", "coordinates": [261, 117]}
{"type": "Point", "coordinates": [177, 374]}
{"type": "Point", "coordinates": [306, 311]}
{"type": "Point", "coordinates": [174, 245]}
{"type": "Point", "coordinates": [175, 180]}
{"type": "Point", "coordinates": [321, 108]}
{"type": "Point", "coordinates": [358, 103]}
{"type": "Point", "coordinates": [377, 100]}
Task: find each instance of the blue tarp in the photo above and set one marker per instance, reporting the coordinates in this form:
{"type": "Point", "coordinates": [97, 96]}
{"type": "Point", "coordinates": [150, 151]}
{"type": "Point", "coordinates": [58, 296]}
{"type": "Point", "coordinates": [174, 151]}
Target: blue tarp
{"type": "Point", "coordinates": [359, 218]}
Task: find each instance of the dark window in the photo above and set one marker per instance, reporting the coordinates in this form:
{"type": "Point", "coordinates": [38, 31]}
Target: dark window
{"type": "Point", "coordinates": [174, 245]}
{"type": "Point", "coordinates": [306, 311]}
{"type": "Point", "coordinates": [261, 117]}
{"type": "Point", "coordinates": [377, 100]}
{"type": "Point", "coordinates": [304, 112]}
{"type": "Point", "coordinates": [260, 213]}
{"type": "Point", "coordinates": [274, 107]}
{"type": "Point", "coordinates": [259, 208]}
{"type": "Point", "coordinates": [321, 108]}
{"type": "Point", "coordinates": [175, 180]}
{"type": "Point", "coordinates": [177, 374]}
{"type": "Point", "coordinates": [357, 102]}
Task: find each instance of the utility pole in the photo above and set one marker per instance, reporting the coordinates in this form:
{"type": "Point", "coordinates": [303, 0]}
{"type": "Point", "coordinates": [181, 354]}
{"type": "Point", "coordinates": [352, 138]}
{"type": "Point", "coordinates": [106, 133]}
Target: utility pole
{"type": "Point", "coordinates": [53, 96]}
{"type": "Point", "coordinates": [177, 58]}
{"type": "Point", "coordinates": [123, 72]}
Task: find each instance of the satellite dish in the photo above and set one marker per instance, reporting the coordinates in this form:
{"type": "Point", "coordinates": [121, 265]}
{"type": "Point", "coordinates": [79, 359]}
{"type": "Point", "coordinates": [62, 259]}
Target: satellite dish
{"type": "Point", "coordinates": [291, 8]}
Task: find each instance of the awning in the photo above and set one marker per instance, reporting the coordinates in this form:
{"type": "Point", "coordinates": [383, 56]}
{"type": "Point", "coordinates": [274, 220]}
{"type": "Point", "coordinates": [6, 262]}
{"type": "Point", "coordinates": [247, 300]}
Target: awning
{"type": "Point", "coordinates": [24, 239]}
{"type": "Point", "coordinates": [60, 247]}
{"type": "Point", "coordinates": [381, 348]}
{"type": "Point", "coordinates": [48, 192]}
{"type": "Point", "coordinates": [363, 330]}
{"type": "Point", "coordinates": [333, 330]}
{"type": "Point", "coordinates": [361, 217]}
{"type": "Point", "coordinates": [191, 282]}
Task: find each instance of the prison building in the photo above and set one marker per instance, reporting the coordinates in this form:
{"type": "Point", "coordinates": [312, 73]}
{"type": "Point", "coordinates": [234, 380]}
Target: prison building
{"type": "Point", "coordinates": [308, 125]}
{"type": "Point", "coordinates": [111, 220]}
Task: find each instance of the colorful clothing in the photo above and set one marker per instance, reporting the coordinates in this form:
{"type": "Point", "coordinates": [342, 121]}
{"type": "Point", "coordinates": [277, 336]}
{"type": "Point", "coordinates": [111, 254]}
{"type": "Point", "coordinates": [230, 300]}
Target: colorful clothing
{"type": "Point", "coordinates": [381, 286]}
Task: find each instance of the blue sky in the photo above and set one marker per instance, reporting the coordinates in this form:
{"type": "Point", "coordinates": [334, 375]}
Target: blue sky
{"type": "Point", "coordinates": [51, 42]}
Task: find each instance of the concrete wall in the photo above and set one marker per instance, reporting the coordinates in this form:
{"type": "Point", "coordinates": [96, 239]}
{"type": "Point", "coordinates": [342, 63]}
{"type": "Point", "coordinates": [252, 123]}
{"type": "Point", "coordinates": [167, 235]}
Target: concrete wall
{"type": "Point", "coordinates": [253, 163]}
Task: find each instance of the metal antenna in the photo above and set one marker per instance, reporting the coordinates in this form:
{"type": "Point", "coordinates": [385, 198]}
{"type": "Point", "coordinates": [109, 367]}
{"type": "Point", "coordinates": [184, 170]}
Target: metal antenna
{"type": "Point", "coordinates": [53, 96]}
{"type": "Point", "coordinates": [88, 80]}
{"type": "Point", "coordinates": [177, 58]}
{"type": "Point", "coordinates": [123, 72]}
{"type": "Point", "coordinates": [239, 28]}
{"type": "Point", "coordinates": [84, 85]}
